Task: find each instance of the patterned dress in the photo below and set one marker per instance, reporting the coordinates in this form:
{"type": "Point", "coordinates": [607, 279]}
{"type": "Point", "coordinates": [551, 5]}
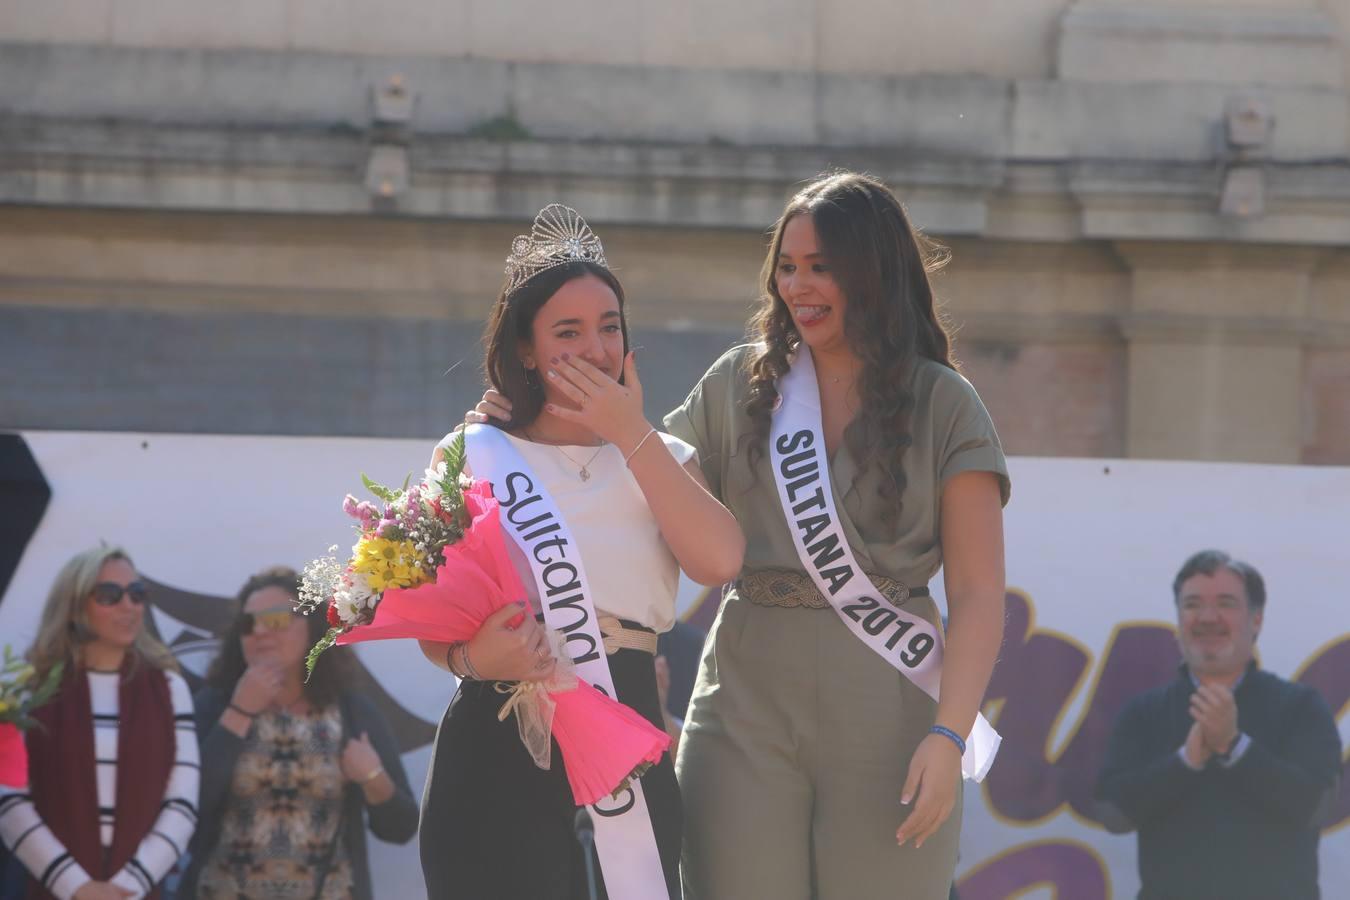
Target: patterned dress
{"type": "Point", "coordinates": [283, 813]}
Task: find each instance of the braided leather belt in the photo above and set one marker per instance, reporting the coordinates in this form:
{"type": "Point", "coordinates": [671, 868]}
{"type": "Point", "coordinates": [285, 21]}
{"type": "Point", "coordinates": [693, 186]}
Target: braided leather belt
{"type": "Point", "coordinates": [790, 588]}
{"type": "Point", "coordinates": [621, 634]}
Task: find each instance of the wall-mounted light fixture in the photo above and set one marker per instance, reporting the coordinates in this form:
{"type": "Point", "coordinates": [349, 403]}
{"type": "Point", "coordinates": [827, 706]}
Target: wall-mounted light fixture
{"type": "Point", "coordinates": [387, 171]}
{"type": "Point", "coordinates": [1247, 126]}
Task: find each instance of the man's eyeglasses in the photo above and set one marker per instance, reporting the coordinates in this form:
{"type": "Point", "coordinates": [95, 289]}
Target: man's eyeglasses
{"type": "Point", "coordinates": [109, 593]}
{"type": "Point", "coordinates": [278, 619]}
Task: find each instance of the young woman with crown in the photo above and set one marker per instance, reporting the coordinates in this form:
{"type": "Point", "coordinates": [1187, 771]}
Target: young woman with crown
{"type": "Point", "coordinates": [833, 720]}
{"type": "Point", "coordinates": [602, 511]}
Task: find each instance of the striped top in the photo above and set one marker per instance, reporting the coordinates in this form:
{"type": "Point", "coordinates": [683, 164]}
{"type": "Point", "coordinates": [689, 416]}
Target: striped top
{"type": "Point", "coordinates": [33, 843]}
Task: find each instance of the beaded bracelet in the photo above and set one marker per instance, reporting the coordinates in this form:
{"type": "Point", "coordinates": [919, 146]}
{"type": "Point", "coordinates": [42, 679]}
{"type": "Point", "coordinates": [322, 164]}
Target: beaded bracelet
{"type": "Point", "coordinates": [947, 732]}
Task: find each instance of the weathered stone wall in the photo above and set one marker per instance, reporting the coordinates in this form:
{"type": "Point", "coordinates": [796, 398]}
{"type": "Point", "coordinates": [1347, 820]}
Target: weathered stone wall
{"type": "Point", "coordinates": [183, 176]}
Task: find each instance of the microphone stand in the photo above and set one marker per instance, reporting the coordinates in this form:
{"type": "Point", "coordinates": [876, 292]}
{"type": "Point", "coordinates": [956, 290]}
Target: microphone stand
{"type": "Point", "coordinates": [584, 829]}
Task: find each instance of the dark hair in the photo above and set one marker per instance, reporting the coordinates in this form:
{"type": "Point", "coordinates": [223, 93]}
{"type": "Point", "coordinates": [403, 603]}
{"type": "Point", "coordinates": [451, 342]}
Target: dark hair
{"type": "Point", "coordinates": [1207, 562]}
{"type": "Point", "coordinates": [881, 264]}
{"type": "Point", "coordinates": [335, 671]}
{"type": "Point", "coordinates": [511, 323]}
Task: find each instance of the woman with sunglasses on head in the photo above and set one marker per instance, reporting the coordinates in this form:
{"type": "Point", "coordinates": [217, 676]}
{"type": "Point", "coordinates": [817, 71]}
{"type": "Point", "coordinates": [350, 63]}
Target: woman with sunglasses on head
{"type": "Point", "coordinates": [292, 769]}
{"type": "Point", "coordinates": [112, 796]}
{"type": "Point", "coordinates": [858, 461]}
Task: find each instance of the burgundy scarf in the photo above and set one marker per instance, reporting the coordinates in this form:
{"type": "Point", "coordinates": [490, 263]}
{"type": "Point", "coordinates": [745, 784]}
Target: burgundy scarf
{"type": "Point", "coordinates": [61, 770]}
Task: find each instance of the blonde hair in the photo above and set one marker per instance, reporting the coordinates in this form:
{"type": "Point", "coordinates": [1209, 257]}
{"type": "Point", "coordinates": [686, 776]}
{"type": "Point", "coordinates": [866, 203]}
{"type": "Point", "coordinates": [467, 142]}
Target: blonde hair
{"type": "Point", "coordinates": [64, 622]}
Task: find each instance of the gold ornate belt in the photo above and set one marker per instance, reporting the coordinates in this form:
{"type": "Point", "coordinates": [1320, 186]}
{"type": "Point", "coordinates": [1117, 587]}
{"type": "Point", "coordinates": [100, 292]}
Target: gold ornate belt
{"type": "Point", "coordinates": [790, 588]}
{"type": "Point", "coordinates": [620, 634]}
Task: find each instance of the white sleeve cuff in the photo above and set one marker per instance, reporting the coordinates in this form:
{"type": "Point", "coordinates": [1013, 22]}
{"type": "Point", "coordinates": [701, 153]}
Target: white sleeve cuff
{"type": "Point", "coordinates": [1181, 755]}
{"type": "Point", "coordinates": [1239, 748]}
{"type": "Point", "coordinates": [124, 879]}
{"type": "Point", "coordinates": [70, 881]}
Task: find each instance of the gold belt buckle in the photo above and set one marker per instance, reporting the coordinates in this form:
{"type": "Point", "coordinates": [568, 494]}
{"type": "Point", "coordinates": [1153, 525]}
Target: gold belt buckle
{"type": "Point", "coordinates": [902, 594]}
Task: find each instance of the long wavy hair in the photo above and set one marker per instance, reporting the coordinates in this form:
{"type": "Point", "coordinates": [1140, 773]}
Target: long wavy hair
{"type": "Point", "coordinates": [881, 263]}
{"type": "Point", "coordinates": [64, 628]}
{"type": "Point", "coordinates": [335, 671]}
{"type": "Point", "coordinates": [510, 326]}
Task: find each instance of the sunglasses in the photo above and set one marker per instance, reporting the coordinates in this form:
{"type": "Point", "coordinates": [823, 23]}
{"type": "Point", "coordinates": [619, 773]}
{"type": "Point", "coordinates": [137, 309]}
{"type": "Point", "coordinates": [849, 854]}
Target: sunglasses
{"type": "Point", "coordinates": [278, 619]}
{"type": "Point", "coordinates": [109, 593]}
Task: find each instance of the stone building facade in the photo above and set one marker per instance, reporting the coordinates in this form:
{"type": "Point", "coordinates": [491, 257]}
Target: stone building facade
{"type": "Point", "coordinates": [290, 217]}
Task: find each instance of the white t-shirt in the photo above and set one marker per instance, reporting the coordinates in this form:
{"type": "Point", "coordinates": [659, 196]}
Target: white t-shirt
{"type": "Point", "coordinates": [632, 573]}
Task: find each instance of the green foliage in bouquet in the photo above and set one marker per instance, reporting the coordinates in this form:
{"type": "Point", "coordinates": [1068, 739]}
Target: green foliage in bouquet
{"type": "Point", "coordinates": [21, 693]}
{"type": "Point", "coordinates": [312, 658]}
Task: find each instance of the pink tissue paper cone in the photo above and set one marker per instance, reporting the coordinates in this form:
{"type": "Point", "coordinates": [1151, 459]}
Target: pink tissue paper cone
{"type": "Point", "coordinates": [601, 741]}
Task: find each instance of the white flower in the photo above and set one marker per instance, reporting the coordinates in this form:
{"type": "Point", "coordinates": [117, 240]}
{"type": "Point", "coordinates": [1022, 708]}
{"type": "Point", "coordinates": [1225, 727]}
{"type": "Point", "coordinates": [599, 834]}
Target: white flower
{"type": "Point", "coordinates": [431, 481]}
{"type": "Point", "coordinates": [320, 580]}
{"type": "Point", "coordinates": [353, 596]}
{"type": "Point", "coordinates": [347, 609]}
{"type": "Point", "coordinates": [360, 592]}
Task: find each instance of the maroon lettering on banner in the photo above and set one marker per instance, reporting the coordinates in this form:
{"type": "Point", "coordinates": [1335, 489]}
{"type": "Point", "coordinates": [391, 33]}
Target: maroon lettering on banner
{"type": "Point", "coordinates": [1328, 670]}
{"type": "Point", "coordinates": [1040, 672]}
{"type": "Point", "coordinates": [1068, 868]}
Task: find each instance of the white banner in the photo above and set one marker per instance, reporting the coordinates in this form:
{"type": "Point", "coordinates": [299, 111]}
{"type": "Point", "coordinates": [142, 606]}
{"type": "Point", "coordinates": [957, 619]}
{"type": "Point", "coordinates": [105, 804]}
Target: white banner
{"type": "Point", "coordinates": [1093, 546]}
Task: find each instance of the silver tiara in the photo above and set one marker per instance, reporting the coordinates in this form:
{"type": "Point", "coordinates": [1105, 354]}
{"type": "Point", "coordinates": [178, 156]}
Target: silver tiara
{"type": "Point", "coordinates": [559, 236]}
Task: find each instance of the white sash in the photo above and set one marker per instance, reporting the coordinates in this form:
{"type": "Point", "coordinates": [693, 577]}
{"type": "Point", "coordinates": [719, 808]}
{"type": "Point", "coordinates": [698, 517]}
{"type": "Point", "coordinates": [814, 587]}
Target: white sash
{"type": "Point", "coordinates": [624, 838]}
{"type": "Point", "coordinates": [801, 470]}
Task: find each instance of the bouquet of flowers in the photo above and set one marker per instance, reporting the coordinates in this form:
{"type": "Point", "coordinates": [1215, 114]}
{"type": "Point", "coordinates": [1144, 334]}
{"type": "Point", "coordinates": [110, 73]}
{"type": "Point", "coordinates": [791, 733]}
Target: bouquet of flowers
{"type": "Point", "coordinates": [20, 694]}
{"type": "Point", "coordinates": [430, 563]}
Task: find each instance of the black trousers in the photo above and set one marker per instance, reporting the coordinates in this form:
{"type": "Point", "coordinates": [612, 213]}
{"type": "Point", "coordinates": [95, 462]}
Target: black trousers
{"type": "Point", "coordinates": [497, 827]}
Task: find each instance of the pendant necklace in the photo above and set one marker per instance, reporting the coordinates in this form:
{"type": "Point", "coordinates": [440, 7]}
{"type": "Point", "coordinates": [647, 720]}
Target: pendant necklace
{"type": "Point", "coordinates": [585, 472]}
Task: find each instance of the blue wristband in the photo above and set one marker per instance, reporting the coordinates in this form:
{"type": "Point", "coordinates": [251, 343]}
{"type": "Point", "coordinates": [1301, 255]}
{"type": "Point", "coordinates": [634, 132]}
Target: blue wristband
{"type": "Point", "coordinates": [947, 732]}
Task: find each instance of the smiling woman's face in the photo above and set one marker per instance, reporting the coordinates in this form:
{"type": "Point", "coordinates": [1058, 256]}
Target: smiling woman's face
{"type": "Point", "coordinates": [807, 285]}
{"type": "Point", "coordinates": [116, 624]}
